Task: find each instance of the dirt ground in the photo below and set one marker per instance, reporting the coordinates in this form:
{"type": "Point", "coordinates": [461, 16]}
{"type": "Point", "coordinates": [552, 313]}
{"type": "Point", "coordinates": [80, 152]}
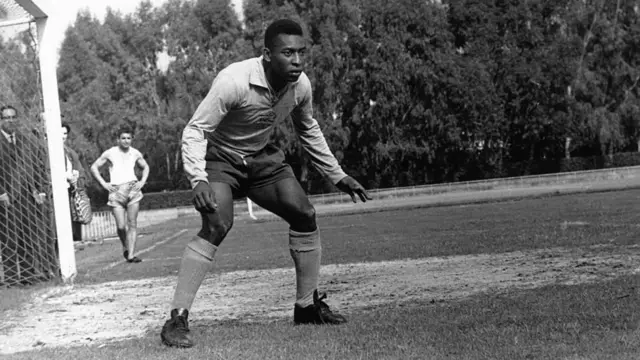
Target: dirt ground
{"type": "Point", "coordinates": [95, 314]}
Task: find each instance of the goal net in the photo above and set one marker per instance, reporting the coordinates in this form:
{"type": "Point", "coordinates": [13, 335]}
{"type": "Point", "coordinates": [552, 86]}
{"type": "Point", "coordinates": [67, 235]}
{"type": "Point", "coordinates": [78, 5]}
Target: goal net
{"type": "Point", "coordinates": [30, 250]}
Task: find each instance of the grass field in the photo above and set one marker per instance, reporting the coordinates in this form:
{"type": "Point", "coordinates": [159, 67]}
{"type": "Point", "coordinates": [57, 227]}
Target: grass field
{"type": "Point", "coordinates": [544, 278]}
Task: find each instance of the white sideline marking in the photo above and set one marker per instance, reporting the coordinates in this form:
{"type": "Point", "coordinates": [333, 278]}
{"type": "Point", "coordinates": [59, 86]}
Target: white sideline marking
{"type": "Point", "coordinates": [565, 224]}
{"type": "Point", "coordinates": [159, 243]}
{"type": "Point", "coordinates": [163, 259]}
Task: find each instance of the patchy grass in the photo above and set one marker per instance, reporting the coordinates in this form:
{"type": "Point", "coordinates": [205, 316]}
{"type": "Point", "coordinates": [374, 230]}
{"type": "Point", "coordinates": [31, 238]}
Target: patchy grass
{"type": "Point", "coordinates": [16, 296]}
{"type": "Point", "coordinates": [592, 321]}
{"type": "Point", "coordinates": [569, 221]}
{"type": "Point", "coordinates": [596, 321]}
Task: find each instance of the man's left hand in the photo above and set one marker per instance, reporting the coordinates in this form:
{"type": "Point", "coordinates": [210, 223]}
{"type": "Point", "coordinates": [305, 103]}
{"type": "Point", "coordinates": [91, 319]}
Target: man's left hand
{"type": "Point", "coordinates": [350, 186]}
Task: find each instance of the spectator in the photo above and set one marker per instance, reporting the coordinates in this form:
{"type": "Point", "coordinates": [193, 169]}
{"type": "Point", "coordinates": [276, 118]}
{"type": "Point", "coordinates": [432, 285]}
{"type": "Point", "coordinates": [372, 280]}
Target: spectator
{"type": "Point", "coordinates": [76, 178]}
{"type": "Point", "coordinates": [27, 255]}
{"type": "Point", "coordinates": [124, 187]}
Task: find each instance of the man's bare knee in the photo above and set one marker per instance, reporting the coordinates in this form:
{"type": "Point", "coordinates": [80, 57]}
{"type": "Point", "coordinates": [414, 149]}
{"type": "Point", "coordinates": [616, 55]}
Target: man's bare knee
{"type": "Point", "coordinates": [309, 213]}
{"type": "Point", "coordinates": [132, 224]}
{"type": "Point", "coordinates": [215, 229]}
{"type": "Point", "coordinates": [304, 219]}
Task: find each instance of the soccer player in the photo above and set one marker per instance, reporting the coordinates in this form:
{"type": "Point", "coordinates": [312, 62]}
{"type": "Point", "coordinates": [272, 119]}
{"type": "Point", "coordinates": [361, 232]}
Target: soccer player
{"type": "Point", "coordinates": [227, 155]}
{"type": "Point", "coordinates": [125, 190]}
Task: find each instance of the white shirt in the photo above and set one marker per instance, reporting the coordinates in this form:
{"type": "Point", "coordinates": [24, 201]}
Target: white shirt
{"type": "Point", "coordinates": [122, 164]}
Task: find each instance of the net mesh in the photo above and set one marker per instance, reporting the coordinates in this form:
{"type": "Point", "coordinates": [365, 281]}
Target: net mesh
{"type": "Point", "coordinates": [28, 251]}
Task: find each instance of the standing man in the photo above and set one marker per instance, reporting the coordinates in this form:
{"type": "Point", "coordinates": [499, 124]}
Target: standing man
{"type": "Point", "coordinates": [125, 190]}
{"type": "Point", "coordinates": [227, 155]}
{"type": "Point", "coordinates": [28, 251]}
{"type": "Point", "coordinates": [75, 176]}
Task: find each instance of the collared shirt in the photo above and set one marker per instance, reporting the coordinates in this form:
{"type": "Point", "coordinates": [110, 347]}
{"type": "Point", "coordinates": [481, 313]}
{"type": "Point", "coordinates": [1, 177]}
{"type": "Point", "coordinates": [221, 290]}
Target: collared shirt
{"type": "Point", "coordinates": [11, 138]}
{"type": "Point", "coordinates": [239, 114]}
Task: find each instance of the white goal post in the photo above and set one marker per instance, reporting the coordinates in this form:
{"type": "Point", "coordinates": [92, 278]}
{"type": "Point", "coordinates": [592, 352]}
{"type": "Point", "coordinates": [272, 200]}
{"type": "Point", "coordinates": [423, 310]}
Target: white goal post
{"type": "Point", "coordinates": [40, 15]}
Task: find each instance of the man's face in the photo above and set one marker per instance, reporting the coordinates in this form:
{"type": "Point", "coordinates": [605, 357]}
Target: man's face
{"type": "Point", "coordinates": [65, 135]}
{"type": "Point", "coordinates": [124, 140]}
{"type": "Point", "coordinates": [286, 57]}
{"type": "Point", "coordinates": [9, 120]}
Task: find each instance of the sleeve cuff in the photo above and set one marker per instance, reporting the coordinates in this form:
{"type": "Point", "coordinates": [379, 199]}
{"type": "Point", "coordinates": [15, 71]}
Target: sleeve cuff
{"type": "Point", "coordinates": [336, 176]}
{"type": "Point", "coordinates": [196, 180]}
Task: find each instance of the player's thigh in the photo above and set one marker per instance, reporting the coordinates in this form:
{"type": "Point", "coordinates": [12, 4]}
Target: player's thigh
{"type": "Point", "coordinates": [120, 214]}
{"type": "Point", "coordinates": [287, 199]}
{"type": "Point", "coordinates": [216, 225]}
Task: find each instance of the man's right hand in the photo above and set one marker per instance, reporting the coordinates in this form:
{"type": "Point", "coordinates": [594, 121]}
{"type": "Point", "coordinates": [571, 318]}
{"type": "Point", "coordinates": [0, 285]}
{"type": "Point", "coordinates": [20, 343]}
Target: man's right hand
{"type": "Point", "coordinates": [110, 188]}
{"type": "Point", "coordinates": [4, 200]}
{"type": "Point", "coordinates": [204, 198]}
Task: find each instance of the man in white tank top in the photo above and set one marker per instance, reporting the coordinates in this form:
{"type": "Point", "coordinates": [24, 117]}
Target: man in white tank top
{"type": "Point", "coordinates": [124, 187]}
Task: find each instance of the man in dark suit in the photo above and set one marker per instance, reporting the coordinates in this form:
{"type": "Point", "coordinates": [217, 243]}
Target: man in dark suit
{"type": "Point", "coordinates": [75, 176]}
{"type": "Point", "coordinates": [27, 247]}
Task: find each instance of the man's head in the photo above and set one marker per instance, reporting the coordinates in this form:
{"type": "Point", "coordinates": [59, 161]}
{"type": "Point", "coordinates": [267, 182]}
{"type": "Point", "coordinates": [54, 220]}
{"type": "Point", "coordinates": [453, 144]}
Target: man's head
{"type": "Point", "coordinates": [8, 118]}
{"type": "Point", "coordinates": [66, 130]}
{"type": "Point", "coordinates": [125, 136]}
{"type": "Point", "coordinates": [284, 49]}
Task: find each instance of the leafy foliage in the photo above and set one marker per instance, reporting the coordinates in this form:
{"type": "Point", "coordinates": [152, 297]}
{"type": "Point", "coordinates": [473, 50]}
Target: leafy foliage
{"type": "Point", "coordinates": [406, 92]}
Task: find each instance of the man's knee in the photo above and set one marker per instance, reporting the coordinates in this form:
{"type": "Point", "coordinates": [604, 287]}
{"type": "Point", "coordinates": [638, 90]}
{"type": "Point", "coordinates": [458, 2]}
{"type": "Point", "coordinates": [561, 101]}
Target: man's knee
{"type": "Point", "coordinates": [215, 228]}
{"type": "Point", "coordinates": [308, 213]}
{"type": "Point", "coordinates": [304, 219]}
{"type": "Point", "coordinates": [132, 223]}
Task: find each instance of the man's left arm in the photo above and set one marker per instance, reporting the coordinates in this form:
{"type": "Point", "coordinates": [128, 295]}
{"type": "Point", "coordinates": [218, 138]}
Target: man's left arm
{"type": "Point", "coordinates": [142, 163]}
{"type": "Point", "coordinates": [315, 144]}
{"type": "Point", "coordinates": [76, 164]}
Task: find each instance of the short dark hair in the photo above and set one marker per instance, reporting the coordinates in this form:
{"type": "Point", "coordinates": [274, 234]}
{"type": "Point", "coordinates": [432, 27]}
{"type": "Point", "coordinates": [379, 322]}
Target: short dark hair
{"type": "Point", "coordinates": [8, 107]}
{"type": "Point", "coordinates": [125, 129]}
{"type": "Point", "coordinates": [282, 26]}
{"type": "Point", "coordinates": [66, 126]}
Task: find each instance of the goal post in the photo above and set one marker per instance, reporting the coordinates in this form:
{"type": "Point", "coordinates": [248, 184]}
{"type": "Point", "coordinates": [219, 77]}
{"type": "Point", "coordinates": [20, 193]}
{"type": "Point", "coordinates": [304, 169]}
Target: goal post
{"type": "Point", "coordinates": [46, 228]}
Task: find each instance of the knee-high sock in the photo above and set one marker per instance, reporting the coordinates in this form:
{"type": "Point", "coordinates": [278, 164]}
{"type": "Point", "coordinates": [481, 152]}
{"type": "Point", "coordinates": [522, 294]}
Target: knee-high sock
{"type": "Point", "coordinates": [306, 251]}
{"type": "Point", "coordinates": [132, 237]}
{"type": "Point", "coordinates": [197, 261]}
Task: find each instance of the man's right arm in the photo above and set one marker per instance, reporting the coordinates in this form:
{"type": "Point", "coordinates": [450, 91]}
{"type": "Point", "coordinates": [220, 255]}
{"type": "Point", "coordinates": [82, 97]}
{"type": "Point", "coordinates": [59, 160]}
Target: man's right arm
{"type": "Point", "coordinates": [223, 96]}
{"type": "Point", "coordinates": [95, 169]}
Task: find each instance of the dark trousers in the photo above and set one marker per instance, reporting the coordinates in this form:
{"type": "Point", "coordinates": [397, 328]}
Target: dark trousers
{"type": "Point", "coordinates": [76, 229]}
{"type": "Point", "coordinates": [27, 248]}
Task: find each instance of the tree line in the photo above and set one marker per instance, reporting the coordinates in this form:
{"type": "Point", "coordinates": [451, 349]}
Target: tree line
{"type": "Point", "coordinates": [407, 92]}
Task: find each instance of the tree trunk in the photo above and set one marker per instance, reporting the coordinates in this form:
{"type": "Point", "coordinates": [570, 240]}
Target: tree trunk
{"type": "Point", "coordinates": [168, 166]}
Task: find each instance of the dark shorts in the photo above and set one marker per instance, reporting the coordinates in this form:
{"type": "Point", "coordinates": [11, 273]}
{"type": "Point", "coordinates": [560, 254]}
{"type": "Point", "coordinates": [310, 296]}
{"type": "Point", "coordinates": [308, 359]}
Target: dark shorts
{"type": "Point", "coordinates": [263, 168]}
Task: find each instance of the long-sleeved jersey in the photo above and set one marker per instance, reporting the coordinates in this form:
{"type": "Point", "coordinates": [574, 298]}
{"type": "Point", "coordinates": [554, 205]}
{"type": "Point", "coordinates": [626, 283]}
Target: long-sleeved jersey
{"type": "Point", "coordinates": [239, 114]}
